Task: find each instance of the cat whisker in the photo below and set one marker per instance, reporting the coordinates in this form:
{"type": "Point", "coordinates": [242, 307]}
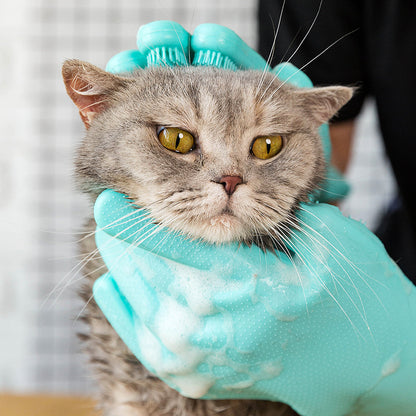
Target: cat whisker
{"type": "Point", "coordinates": [283, 59]}
{"type": "Point", "coordinates": [319, 246]}
{"type": "Point", "coordinates": [346, 259]}
{"type": "Point", "coordinates": [336, 278]}
{"type": "Point", "coordinates": [272, 50]}
{"type": "Point", "coordinates": [58, 258]}
{"type": "Point", "coordinates": [306, 35]}
{"type": "Point", "coordinates": [130, 247]}
{"type": "Point", "coordinates": [94, 271]}
{"type": "Point", "coordinates": [117, 222]}
{"type": "Point", "coordinates": [316, 275]}
{"type": "Point", "coordinates": [299, 224]}
{"type": "Point", "coordinates": [298, 47]}
{"type": "Point", "coordinates": [60, 287]}
{"type": "Point", "coordinates": [292, 260]}
{"type": "Point", "coordinates": [76, 280]}
{"type": "Point", "coordinates": [259, 239]}
{"type": "Point", "coordinates": [277, 229]}
{"type": "Point", "coordinates": [309, 62]}
{"type": "Point", "coordinates": [69, 233]}
{"type": "Point", "coordinates": [80, 265]}
{"type": "Point", "coordinates": [98, 283]}
{"type": "Point", "coordinates": [121, 220]}
{"type": "Point", "coordinates": [283, 231]}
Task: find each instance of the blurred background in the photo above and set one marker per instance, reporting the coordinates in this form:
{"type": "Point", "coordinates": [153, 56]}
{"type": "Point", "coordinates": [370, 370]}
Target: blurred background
{"type": "Point", "coordinates": [41, 211]}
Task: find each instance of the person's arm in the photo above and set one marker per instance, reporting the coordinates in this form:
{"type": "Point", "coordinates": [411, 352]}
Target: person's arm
{"type": "Point", "coordinates": [342, 134]}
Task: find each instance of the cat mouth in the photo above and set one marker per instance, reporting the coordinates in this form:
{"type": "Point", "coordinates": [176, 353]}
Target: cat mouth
{"type": "Point", "coordinates": [226, 218]}
{"type": "Point", "coordinates": [227, 211]}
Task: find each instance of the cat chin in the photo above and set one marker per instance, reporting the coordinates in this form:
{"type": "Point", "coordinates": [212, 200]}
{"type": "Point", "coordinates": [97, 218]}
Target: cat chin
{"type": "Point", "coordinates": [222, 228]}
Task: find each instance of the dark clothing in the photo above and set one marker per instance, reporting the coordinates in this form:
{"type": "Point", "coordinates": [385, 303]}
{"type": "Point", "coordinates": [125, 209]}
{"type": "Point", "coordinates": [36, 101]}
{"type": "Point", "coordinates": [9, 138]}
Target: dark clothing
{"type": "Point", "coordinates": [342, 64]}
{"type": "Point", "coordinates": [379, 58]}
{"type": "Point", "coordinates": [399, 242]}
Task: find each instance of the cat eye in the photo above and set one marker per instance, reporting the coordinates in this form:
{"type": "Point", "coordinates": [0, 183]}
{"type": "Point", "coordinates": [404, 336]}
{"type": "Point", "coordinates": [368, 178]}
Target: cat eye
{"type": "Point", "coordinates": [265, 147]}
{"type": "Point", "coordinates": [175, 139]}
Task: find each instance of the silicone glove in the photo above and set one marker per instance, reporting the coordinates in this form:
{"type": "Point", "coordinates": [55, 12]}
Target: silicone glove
{"type": "Point", "coordinates": [168, 43]}
{"type": "Point", "coordinates": [329, 329]}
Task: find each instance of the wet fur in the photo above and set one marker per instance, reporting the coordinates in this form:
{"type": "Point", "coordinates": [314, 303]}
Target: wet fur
{"type": "Point", "coordinates": [225, 111]}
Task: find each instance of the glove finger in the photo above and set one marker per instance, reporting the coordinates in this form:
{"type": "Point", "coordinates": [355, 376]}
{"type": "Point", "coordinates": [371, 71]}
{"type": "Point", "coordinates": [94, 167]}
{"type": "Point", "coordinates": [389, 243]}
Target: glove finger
{"type": "Point", "coordinates": [334, 187]}
{"type": "Point", "coordinates": [289, 73]}
{"type": "Point", "coordinates": [126, 61]}
{"type": "Point", "coordinates": [167, 354]}
{"type": "Point", "coordinates": [115, 308]}
{"type": "Point", "coordinates": [140, 276]}
{"type": "Point", "coordinates": [164, 43]}
{"type": "Point", "coordinates": [211, 42]}
{"type": "Point", "coordinates": [128, 325]}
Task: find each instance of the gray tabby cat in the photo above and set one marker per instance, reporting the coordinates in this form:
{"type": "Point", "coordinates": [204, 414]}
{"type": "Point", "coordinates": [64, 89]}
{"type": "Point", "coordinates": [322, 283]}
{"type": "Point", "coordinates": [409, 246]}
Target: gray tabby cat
{"type": "Point", "coordinates": [215, 154]}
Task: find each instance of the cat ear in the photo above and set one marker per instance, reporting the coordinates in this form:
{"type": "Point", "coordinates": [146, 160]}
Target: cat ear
{"type": "Point", "coordinates": [90, 88]}
{"type": "Point", "coordinates": [322, 103]}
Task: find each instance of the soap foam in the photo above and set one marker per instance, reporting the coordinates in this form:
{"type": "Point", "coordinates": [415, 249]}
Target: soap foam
{"type": "Point", "coordinates": [391, 365]}
{"type": "Point", "coordinates": [181, 314]}
{"type": "Point", "coordinates": [289, 275]}
{"type": "Point", "coordinates": [196, 288]}
{"type": "Point", "coordinates": [269, 370]}
{"type": "Point", "coordinates": [200, 286]}
{"type": "Point", "coordinates": [264, 371]}
{"type": "Point", "coordinates": [174, 324]}
{"type": "Point", "coordinates": [149, 346]}
{"type": "Point", "coordinates": [192, 385]}
{"type": "Point", "coordinates": [245, 384]}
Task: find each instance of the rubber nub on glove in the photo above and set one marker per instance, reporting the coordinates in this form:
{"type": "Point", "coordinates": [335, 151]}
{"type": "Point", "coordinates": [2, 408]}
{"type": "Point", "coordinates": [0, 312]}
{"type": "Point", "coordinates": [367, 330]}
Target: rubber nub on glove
{"type": "Point", "coordinates": [164, 43]}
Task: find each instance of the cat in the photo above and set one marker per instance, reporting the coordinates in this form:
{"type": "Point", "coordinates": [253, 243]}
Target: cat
{"type": "Point", "coordinates": [215, 154]}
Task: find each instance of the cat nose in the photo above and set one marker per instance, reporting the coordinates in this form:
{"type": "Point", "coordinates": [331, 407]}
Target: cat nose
{"type": "Point", "coordinates": [230, 183]}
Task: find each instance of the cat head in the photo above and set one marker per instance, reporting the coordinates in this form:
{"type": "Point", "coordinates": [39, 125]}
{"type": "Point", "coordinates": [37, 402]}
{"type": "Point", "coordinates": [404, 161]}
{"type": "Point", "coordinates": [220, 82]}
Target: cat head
{"type": "Point", "coordinates": [214, 154]}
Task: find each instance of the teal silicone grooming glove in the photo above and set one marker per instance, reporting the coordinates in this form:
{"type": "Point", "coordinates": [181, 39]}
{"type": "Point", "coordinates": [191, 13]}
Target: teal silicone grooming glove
{"type": "Point", "coordinates": [328, 328]}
